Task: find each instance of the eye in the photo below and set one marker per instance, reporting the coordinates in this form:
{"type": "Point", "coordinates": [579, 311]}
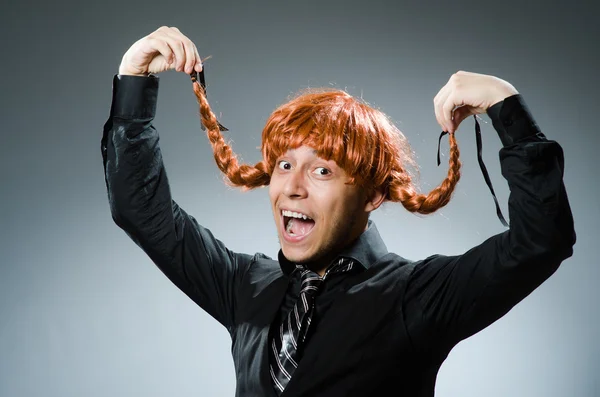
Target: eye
{"type": "Point", "coordinates": [284, 165]}
{"type": "Point", "coordinates": [322, 171]}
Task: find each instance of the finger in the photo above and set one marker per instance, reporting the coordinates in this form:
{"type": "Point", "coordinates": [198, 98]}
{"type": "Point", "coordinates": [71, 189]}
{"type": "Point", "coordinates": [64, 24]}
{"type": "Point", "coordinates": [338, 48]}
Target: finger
{"type": "Point", "coordinates": [447, 109]}
{"type": "Point", "coordinates": [189, 49]}
{"type": "Point", "coordinates": [164, 33]}
{"type": "Point", "coordinates": [198, 65]}
{"type": "Point", "coordinates": [438, 106]}
{"type": "Point", "coordinates": [452, 103]}
{"type": "Point", "coordinates": [436, 101]}
{"type": "Point", "coordinates": [163, 48]}
{"type": "Point", "coordinates": [173, 38]}
{"type": "Point", "coordinates": [190, 56]}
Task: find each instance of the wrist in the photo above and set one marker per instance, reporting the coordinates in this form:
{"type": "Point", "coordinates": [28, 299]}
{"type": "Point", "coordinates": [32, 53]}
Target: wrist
{"type": "Point", "coordinates": [504, 91]}
{"type": "Point", "coordinates": [124, 72]}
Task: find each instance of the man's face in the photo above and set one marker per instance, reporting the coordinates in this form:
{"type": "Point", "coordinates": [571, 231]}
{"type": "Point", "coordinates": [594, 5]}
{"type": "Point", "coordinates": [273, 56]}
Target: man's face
{"type": "Point", "coordinates": [316, 212]}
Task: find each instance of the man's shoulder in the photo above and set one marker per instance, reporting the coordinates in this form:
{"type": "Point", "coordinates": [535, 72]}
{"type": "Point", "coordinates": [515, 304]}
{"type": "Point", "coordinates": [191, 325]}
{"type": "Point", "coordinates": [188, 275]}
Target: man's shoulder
{"type": "Point", "coordinates": [393, 262]}
{"type": "Point", "coordinates": [263, 265]}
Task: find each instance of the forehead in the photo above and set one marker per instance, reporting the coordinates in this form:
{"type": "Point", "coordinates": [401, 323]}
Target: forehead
{"type": "Point", "coordinates": [305, 153]}
{"type": "Point", "coordinates": [303, 150]}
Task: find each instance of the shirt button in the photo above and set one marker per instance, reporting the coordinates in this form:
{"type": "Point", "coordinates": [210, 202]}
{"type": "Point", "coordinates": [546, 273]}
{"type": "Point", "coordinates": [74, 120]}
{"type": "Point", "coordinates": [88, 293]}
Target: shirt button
{"type": "Point", "coordinates": [508, 122]}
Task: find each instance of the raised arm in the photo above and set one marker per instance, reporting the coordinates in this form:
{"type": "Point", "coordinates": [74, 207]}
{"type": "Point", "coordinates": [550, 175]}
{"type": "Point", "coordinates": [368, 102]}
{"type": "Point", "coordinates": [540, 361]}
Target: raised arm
{"type": "Point", "coordinates": [456, 296]}
{"type": "Point", "coordinates": [138, 187]}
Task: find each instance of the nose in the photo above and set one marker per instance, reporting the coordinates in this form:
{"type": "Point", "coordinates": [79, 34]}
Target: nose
{"type": "Point", "coordinates": [295, 185]}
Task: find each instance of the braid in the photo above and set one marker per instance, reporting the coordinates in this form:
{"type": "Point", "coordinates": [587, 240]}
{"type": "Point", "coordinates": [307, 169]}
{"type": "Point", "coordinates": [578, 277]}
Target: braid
{"type": "Point", "coordinates": [348, 145]}
{"type": "Point", "coordinates": [244, 175]}
{"type": "Point", "coordinates": [402, 189]}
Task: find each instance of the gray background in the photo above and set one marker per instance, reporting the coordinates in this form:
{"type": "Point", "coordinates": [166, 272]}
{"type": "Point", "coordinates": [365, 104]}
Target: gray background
{"type": "Point", "coordinates": [83, 311]}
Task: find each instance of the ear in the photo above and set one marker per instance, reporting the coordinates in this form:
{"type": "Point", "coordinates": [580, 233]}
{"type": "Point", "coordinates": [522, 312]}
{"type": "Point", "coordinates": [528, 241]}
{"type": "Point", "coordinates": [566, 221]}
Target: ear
{"type": "Point", "coordinates": [373, 202]}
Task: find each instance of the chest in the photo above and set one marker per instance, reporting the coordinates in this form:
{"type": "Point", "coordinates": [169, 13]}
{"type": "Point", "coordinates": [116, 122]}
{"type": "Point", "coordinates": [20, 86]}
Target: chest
{"type": "Point", "coordinates": [358, 324]}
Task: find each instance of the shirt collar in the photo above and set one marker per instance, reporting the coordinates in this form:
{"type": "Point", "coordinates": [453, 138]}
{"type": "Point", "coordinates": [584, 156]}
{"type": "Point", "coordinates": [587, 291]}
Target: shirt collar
{"type": "Point", "coordinates": [365, 250]}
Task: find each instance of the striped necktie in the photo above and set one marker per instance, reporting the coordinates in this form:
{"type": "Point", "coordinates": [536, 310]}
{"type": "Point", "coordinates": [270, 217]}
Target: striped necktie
{"type": "Point", "coordinates": [286, 344]}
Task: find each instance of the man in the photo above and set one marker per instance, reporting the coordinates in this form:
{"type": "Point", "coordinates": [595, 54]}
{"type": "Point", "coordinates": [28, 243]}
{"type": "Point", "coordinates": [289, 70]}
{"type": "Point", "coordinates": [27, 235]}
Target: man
{"type": "Point", "coordinates": [336, 314]}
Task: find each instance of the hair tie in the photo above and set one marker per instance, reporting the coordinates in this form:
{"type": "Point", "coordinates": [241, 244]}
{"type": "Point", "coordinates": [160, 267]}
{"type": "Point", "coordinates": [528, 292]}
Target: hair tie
{"type": "Point", "coordinates": [199, 77]}
{"type": "Point", "coordinates": [481, 165]}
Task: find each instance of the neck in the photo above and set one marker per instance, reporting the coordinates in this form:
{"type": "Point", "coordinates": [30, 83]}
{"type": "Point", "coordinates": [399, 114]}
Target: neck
{"type": "Point", "coordinates": [323, 263]}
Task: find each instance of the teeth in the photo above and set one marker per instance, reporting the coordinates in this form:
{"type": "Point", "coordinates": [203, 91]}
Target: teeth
{"type": "Point", "coordinates": [291, 214]}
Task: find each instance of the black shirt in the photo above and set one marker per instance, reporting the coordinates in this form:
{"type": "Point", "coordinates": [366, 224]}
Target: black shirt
{"type": "Point", "coordinates": [389, 323]}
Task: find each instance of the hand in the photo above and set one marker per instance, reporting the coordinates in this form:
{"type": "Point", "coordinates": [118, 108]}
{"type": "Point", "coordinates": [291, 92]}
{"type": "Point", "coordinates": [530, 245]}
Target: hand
{"type": "Point", "coordinates": [467, 94]}
{"type": "Point", "coordinates": [165, 48]}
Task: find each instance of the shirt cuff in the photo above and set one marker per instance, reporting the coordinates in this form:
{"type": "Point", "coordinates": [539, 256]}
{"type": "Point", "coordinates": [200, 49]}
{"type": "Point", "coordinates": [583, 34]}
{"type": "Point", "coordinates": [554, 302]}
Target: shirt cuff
{"type": "Point", "coordinates": [512, 120]}
{"type": "Point", "coordinates": [134, 97]}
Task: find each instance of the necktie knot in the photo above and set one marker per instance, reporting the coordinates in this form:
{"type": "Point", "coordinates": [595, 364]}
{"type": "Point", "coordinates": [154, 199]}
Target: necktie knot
{"type": "Point", "coordinates": [311, 282]}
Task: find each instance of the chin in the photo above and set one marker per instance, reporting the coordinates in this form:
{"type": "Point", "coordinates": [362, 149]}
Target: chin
{"type": "Point", "coordinates": [313, 258]}
{"type": "Point", "coordinates": [296, 254]}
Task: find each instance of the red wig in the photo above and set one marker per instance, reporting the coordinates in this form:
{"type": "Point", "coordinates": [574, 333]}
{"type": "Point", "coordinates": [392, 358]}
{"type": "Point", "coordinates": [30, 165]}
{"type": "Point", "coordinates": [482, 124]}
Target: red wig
{"type": "Point", "coordinates": [360, 139]}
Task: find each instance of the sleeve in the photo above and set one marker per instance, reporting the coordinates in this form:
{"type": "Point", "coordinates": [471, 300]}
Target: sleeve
{"type": "Point", "coordinates": [141, 205]}
{"type": "Point", "coordinates": [450, 298]}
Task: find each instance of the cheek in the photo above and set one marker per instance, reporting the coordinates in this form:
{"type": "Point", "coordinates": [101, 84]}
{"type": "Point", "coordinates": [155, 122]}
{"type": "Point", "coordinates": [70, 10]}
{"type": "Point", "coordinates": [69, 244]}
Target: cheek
{"type": "Point", "coordinates": [330, 204]}
{"type": "Point", "coordinates": [346, 206]}
{"type": "Point", "coordinates": [273, 191]}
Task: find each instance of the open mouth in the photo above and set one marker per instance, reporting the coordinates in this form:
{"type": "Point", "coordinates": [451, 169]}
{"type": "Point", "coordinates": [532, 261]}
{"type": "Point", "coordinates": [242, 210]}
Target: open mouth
{"type": "Point", "coordinates": [296, 224]}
